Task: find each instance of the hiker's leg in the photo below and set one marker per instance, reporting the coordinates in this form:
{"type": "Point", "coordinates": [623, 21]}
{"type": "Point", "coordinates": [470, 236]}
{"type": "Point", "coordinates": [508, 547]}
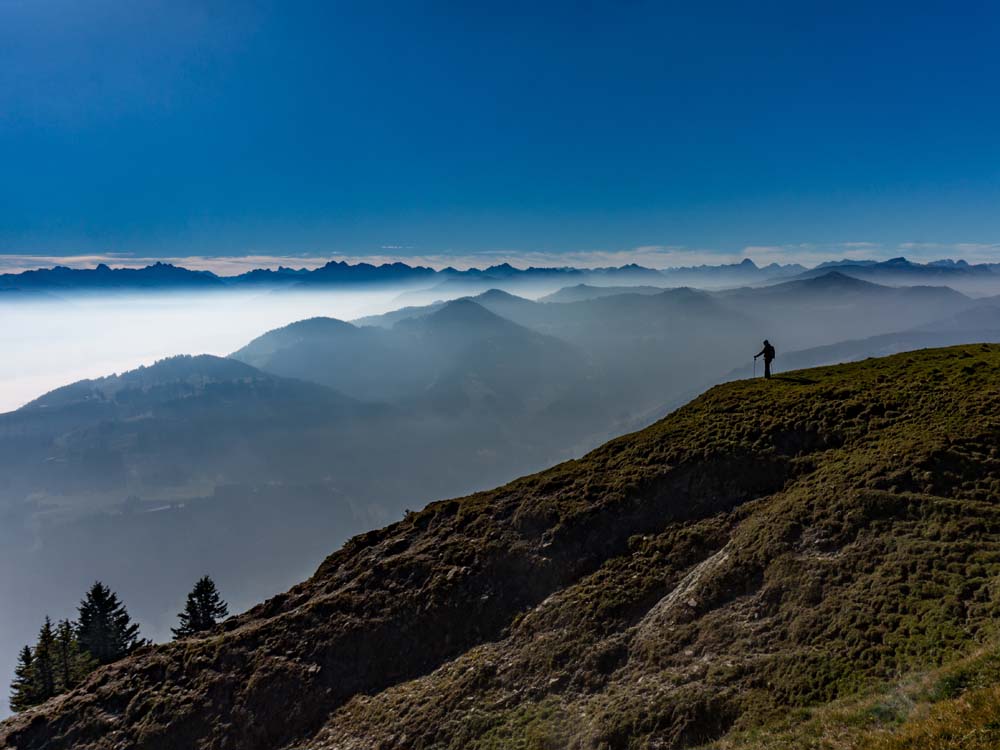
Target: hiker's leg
{"type": "Point", "coordinates": [767, 368]}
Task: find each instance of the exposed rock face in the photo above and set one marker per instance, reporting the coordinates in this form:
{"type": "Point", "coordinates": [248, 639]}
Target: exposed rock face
{"type": "Point", "coordinates": [772, 544]}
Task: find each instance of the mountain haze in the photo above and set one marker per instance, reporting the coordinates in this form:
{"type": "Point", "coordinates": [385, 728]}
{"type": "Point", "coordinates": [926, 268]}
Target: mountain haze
{"type": "Point", "coordinates": [771, 546]}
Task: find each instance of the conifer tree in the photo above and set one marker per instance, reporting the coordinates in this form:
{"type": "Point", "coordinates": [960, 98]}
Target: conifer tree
{"type": "Point", "coordinates": [104, 629]}
{"type": "Point", "coordinates": [43, 665]}
{"type": "Point", "coordinates": [204, 608]}
{"type": "Point", "coordinates": [22, 689]}
{"type": "Point", "coordinates": [72, 663]}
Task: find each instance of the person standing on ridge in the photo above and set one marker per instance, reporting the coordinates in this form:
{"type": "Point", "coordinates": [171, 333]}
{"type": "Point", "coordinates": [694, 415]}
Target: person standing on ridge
{"type": "Point", "coordinates": [768, 354]}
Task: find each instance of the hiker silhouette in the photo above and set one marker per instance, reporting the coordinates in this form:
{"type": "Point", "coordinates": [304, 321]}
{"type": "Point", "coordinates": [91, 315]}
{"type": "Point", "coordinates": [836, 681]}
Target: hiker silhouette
{"type": "Point", "coordinates": [768, 354]}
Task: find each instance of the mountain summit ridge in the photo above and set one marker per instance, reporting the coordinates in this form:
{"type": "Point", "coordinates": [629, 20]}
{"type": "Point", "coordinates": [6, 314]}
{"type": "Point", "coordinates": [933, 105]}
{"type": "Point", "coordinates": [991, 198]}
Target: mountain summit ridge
{"type": "Point", "coordinates": [772, 544]}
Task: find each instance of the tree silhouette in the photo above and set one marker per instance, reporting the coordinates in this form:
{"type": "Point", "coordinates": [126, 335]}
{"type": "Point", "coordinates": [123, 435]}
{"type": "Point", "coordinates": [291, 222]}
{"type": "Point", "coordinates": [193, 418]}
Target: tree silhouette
{"type": "Point", "coordinates": [72, 663]}
{"type": "Point", "coordinates": [22, 689]}
{"type": "Point", "coordinates": [43, 666]}
{"type": "Point", "coordinates": [204, 608]}
{"type": "Point", "coordinates": [104, 628]}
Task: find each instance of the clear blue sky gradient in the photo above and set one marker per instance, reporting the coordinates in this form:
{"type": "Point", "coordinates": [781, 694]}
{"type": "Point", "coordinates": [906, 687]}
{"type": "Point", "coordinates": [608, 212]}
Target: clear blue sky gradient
{"type": "Point", "coordinates": [179, 127]}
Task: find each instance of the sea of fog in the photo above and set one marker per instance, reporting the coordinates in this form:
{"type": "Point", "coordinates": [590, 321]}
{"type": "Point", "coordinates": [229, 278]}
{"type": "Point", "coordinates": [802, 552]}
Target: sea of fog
{"type": "Point", "coordinates": [44, 345]}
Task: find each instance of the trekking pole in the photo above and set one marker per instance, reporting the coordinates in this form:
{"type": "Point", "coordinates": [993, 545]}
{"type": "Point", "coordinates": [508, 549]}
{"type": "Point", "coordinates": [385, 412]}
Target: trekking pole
{"type": "Point", "coordinates": [755, 367]}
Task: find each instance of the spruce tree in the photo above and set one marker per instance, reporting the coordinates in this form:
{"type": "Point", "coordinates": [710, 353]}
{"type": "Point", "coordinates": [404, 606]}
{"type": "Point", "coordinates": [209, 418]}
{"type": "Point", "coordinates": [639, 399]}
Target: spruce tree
{"type": "Point", "coordinates": [204, 608]}
{"type": "Point", "coordinates": [72, 662]}
{"type": "Point", "coordinates": [22, 689]}
{"type": "Point", "coordinates": [104, 629]}
{"type": "Point", "coordinates": [43, 665]}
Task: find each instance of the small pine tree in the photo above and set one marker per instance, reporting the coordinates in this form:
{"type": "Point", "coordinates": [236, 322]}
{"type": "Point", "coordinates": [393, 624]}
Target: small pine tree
{"type": "Point", "coordinates": [43, 667]}
{"type": "Point", "coordinates": [22, 689]}
{"type": "Point", "coordinates": [204, 608]}
{"type": "Point", "coordinates": [104, 628]}
{"type": "Point", "coordinates": [72, 662]}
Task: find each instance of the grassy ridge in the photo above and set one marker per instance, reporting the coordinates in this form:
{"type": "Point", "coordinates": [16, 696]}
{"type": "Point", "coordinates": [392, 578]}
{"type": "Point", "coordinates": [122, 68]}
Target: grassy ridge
{"type": "Point", "coordinates": [956, 707]}
{"type": "Point", "coordinates": [872, 550]}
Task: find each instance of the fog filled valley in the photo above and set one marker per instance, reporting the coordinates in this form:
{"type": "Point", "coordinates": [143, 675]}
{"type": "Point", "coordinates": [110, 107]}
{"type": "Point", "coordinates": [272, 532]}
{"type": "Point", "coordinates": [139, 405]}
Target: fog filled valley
{"type": "Point", "coordinates": [155, 433]}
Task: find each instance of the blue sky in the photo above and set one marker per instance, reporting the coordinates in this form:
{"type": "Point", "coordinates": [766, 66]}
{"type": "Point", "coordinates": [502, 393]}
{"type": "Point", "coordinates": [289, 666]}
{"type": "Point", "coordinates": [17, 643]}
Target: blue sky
{"type": "Point", "coordinates": [423, 129]}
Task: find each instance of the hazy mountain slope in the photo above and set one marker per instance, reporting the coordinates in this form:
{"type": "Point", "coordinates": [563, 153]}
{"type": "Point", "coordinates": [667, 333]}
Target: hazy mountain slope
{"type": "Point", "coordinates": [182, 421]}
{"type": "Point", "coordinates": [983, 316]}
{"type": "Point", "coordinates": [485, 362]}
{"type": "Point", "coordinates": [795, 314]}
{"type": "Point", "coordinates": [447, 360]}
{"type": "Point", "coordinates": [389, 319]}
{"type": "Point", "coordinates": [834, 307]}
{"type": "Point", "coordinates": [645, 348]}
{"type": "Point", "coordinates": [367, 363]}
{"type": "Point", "coordinates": [507, 305]}
{"type": "Point", "coordinates": [510, 306]}
{"type": "Point", "coordinates": [582, 292]}
{"type": "Point", "coordinates": [651, 349]}
{"type": "Point", "coordinates": [770, 545]}
{"type": "Point", "coordinates": [980, 278]}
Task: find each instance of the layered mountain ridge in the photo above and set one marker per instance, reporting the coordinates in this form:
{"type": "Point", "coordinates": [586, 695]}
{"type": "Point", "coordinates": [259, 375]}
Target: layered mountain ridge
{"type": "Point", "coordinates": [161, 275]}
{"type": "Point", "coordinates": [771, 545]}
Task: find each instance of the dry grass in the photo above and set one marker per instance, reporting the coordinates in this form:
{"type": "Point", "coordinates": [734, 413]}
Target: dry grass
{"type": "Point", "coordinates": [956, 707]}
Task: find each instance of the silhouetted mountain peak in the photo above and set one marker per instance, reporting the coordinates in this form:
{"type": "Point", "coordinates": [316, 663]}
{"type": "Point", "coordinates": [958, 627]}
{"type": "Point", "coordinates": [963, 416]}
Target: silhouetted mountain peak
{"type": "Point", "coordinates": [463, 312]}
{"type": "Point", "coordinates": [832, 281]}
{"type": "Point", "coordinates": [497, 295]}
{"type": "Point", "coordinates": [318, 325]}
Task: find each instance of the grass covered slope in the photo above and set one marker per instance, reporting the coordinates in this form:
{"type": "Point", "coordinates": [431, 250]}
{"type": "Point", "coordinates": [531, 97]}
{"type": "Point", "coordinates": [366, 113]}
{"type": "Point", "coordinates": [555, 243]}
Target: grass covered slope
{"type": "Point", "coordinates": [772, 545]}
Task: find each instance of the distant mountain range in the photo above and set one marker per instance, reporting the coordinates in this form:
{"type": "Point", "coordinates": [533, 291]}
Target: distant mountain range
{"type": "Point", "coordinates": [980, 278]}
{"type": "Point", "coordinates": [450, 282]}
{"type": "Point", "coordinates": [334, 273]}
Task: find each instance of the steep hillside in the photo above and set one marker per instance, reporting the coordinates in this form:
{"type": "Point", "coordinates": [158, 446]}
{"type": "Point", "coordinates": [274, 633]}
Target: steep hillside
{"type": "Point", "coordinates": [770, 546]}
